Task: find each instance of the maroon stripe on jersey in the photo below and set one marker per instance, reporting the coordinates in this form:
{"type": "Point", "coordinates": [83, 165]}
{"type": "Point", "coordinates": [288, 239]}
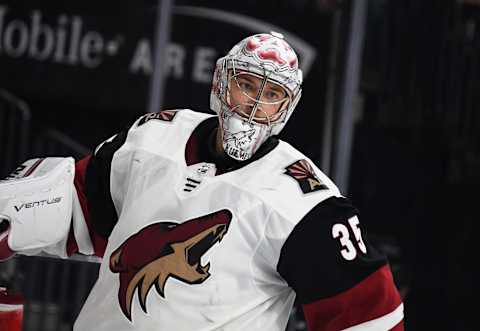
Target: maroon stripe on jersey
{"type": "Point", "coordinates": [5, 251]}
{"type": "Point", "coordinates": [8, 297]}
{"type": "Point", "coordinates": [99, 244]}
{"type": "Point", "coordinates": [33, 167]}
{"type": "Point", "coordinates": [370, 299]}
{"type": "Point", "coordinates": [398, 327]}
{"type": "Point", "coordinates": [192, 154]}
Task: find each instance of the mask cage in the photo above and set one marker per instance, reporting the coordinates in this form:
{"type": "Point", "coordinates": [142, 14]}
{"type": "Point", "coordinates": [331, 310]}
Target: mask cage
{"type": "Point", "coordinates": [252, 104]}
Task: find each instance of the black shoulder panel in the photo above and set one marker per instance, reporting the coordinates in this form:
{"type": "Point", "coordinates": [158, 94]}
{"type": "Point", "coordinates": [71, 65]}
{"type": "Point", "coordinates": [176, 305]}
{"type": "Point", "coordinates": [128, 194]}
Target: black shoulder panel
{"type": "Point", "coordinates": [327, 252]}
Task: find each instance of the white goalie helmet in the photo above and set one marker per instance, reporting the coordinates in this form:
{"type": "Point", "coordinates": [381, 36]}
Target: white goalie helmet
{"type": "Point", "coordinates": [255, 89]}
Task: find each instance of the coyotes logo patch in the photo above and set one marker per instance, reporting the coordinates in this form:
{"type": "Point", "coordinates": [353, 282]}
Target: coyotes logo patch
{"type": "Point", "coordinates": [162, 250]}
{"type": "Point", "coordinates": [164, 115]}
{"type": "Point", "coordinates": [240, 138]}
{"type": "Point", "coordinates": [304, 174]}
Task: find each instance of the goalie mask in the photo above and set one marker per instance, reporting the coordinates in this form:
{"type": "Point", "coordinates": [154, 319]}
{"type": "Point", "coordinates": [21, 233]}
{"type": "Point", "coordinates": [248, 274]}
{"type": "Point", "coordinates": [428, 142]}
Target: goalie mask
{"type": "Point", "coordinates": [255, 89]}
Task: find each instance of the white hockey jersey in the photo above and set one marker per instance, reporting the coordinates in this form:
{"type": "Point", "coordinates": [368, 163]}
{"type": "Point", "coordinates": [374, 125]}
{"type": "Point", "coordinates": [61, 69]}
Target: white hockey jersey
{"type": "Point", "coordinates": [194, 246]}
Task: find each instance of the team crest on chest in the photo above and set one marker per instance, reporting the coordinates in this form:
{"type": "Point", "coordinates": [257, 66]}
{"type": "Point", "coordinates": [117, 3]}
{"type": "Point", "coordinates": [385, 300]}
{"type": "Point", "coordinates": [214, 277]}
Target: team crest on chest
{"type": "Point", "coordinates": [305, 176]}
{"type": "Point", "coordinates": [164, 115]}
{"type": "Point", "coordinates": [162, 250]}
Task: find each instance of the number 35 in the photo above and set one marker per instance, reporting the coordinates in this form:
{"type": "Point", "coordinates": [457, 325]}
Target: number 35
{"type": "Point", "coordinates": [341, 232]}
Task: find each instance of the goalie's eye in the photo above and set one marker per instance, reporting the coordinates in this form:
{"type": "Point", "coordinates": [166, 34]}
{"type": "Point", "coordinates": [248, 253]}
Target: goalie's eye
{"type": "Point", "coordinates": [246, 86]}
{"type": "Point", "coordinates": [273, 95]}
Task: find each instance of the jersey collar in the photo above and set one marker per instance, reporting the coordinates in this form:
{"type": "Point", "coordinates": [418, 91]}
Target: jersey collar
{"type": "Point", "coordinates": [201, 148]}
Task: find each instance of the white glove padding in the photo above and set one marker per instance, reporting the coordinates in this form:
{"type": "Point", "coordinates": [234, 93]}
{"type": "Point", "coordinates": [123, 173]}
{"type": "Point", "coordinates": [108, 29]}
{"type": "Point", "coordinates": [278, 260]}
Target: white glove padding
{"type": "Point", "coordinates": [37, 201]}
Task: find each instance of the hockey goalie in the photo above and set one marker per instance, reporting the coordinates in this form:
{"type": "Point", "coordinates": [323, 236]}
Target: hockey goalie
{"type": "Point", "coordinates": [208, 222]}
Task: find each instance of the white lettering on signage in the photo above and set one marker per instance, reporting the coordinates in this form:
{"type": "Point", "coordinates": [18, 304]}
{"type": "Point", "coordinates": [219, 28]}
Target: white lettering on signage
{"type": "Point", "coordinates": [203, 64]}
{"type": "Point", "coordinates": [91, 48]}
{"type": "Point", "coordinates": [175, 55]}
{"type": "Point", "coordinates": [59, 55]}
{"type": "Point", "coordinates": [40, 31]}
{"type": "Point", "coordinates": [175, 59]}
{"type": "Point", "coordinates": [16, 38]}
{"type": "Point", "coordinates": [142, 58]}
{"type": "Point", "coordinates": [68, 41]}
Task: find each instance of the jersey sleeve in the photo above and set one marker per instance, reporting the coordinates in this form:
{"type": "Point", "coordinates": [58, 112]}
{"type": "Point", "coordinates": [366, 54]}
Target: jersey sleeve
{"type": "Point", "coordinates": [341, 280]}
{"type": "Point", "coordinates": [99, 195]}
{"type": "Point", "coordinates": [97, 216]}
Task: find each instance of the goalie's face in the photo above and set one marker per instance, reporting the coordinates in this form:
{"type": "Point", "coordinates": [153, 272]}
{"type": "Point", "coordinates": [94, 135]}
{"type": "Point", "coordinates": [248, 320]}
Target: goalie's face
{"type": "Point", "coordinates": [256, 98]}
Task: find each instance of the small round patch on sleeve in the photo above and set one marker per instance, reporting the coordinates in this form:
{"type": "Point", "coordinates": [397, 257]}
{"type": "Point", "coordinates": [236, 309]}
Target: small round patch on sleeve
{"type": "Point", "coordinates": [305, 176]}
{"type": "Point", "coordinates": [164, 115]}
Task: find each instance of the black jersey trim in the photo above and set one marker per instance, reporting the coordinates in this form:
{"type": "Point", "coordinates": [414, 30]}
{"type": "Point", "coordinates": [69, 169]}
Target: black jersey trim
{"type": "Point", "coordinates": [101, 209]}
{"type": "Point", "coordinates": [310, 259]}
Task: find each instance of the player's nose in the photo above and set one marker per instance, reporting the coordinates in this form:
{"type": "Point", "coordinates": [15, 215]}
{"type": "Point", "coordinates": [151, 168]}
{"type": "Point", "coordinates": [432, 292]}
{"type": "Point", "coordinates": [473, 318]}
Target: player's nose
{"type": "Point", "coordinates": [249, 109]}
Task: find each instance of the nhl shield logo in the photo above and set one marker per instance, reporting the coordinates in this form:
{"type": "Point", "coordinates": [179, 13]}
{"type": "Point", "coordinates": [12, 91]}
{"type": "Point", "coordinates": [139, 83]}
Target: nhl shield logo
{"type": "Point", "coordinates": [305, 176]}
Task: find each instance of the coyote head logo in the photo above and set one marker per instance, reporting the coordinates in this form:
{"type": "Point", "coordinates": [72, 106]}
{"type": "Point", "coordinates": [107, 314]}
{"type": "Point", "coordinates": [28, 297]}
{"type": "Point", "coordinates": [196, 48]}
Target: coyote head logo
{"type": "Point", "coordinates": [240, 138]}
{"type": "Point", "coordinates": [166, 249]}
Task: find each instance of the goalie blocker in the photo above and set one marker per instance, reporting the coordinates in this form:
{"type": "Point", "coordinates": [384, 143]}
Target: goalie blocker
{"type": "Point", "coordinates": [37, 202]}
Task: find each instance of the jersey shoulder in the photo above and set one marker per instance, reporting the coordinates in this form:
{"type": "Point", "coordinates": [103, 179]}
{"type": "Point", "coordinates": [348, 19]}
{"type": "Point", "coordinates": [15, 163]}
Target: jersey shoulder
{"type": "Point", "coordinates": [166, 121]}
{"type": "Point", "coordinates": [172, 116]}
{"type": "Point", "coordinates": [163, 132]}
{"type": "Point", "coordinates": [291, 184]}
{"type": "Point", "coordinates": [304, 171]}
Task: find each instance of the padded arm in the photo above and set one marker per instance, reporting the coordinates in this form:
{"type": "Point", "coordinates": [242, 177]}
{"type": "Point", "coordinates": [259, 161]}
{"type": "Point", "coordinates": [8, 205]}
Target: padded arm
{"type": "Point", "coordinates": [36, 200]}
